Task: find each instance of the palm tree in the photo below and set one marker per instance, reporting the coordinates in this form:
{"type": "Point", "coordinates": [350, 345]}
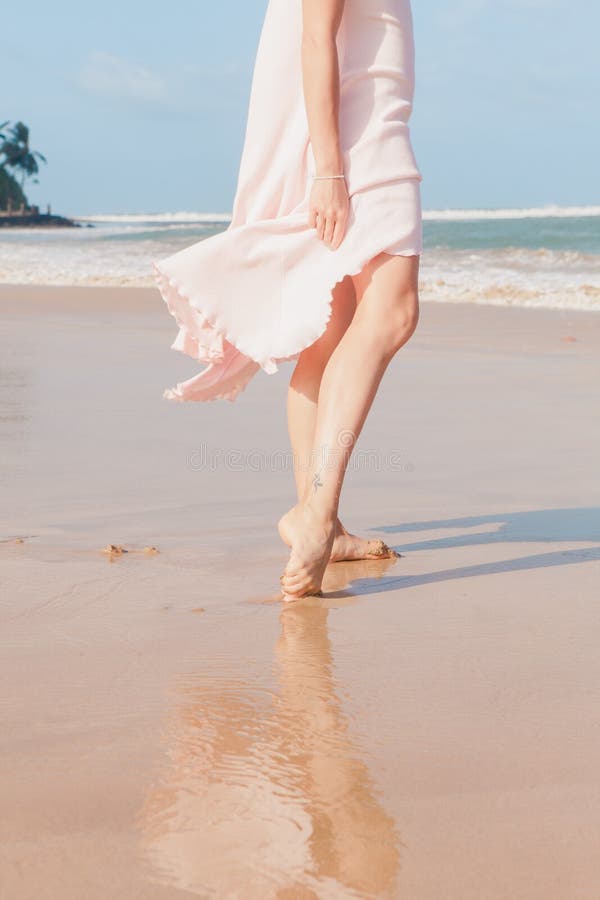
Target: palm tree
{"type": "Point", "coordinates": [2, 140]}
{"type": "Point", "coordinates": [17, 153]}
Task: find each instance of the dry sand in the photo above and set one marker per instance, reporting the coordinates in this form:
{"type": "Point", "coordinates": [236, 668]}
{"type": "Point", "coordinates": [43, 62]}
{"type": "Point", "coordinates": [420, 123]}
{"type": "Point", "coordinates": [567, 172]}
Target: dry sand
{"type": "Point", "coordinates": [429, 730]}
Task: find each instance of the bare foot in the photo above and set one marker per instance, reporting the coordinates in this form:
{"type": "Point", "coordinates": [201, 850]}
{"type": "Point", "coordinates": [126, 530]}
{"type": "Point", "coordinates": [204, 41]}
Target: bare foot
{"type": "Point", "coordinates": [311, 540]}
{"type": "Point", "coordinates": [349, 546]}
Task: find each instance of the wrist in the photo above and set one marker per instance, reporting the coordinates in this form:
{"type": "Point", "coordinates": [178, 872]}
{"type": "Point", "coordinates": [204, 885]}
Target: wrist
{"type": "Point", "coordinates": [331, 165]}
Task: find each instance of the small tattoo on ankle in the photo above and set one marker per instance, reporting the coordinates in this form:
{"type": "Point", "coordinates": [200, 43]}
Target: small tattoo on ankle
{"type": "Point", "coordinates": [317, 483]}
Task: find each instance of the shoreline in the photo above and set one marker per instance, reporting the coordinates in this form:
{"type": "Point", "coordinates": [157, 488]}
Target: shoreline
{"type": "Point", "coordinates": [30, 291]}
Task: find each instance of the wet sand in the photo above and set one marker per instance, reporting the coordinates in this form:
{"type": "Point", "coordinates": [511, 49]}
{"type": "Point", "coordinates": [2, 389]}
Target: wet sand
{"type": "Point", "coordinates": [428, 729]}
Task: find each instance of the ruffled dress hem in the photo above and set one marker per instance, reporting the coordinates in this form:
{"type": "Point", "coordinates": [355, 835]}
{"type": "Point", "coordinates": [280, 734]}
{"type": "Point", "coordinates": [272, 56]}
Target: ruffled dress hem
{"type": "Point", "coordinates": [298, 313]}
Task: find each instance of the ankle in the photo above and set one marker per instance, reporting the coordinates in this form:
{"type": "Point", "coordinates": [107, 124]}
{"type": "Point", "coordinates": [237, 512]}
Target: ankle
{"type": "Point", "coordinates": [320, 515]}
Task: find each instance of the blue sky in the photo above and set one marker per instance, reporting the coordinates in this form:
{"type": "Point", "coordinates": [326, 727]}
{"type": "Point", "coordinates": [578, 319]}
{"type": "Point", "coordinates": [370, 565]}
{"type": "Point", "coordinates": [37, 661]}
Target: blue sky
{"type": "Point", "coordinates": [141, 107]}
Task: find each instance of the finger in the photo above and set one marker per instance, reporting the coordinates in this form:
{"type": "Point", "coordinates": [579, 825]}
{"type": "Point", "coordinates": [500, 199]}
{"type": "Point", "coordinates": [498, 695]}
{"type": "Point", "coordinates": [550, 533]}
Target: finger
{"type": "Point", "coordinates": [320, 226]}
{"type": "Point", "coordinates": [329, 229]}
{"type": "Point", "coordinates": [339, 232]}
{"type": "Point", "coordinates": [312, 218]}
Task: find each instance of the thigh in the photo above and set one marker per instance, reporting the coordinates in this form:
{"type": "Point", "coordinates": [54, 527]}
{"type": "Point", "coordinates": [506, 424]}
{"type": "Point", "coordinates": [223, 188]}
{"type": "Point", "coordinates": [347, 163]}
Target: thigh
{"type": "Point", "coordinates": [388, 282]}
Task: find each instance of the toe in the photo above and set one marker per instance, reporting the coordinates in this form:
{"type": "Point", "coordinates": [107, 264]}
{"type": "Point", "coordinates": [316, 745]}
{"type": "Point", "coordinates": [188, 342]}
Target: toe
{"type": "Point", "coordinates": [294, 577]}
{"type": "Point", "coordinates": [300, 585]}
{"type": "Point", "coordinates": [294, 593]}
{"type": "Point", "coordinates": [293, 583]}
{"type": "Point", "coordinates": [290, 577]}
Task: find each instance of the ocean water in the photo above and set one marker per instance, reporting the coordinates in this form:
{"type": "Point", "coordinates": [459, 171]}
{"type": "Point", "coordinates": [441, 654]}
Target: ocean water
{"type": "Point", "coordinates": [547, 257]}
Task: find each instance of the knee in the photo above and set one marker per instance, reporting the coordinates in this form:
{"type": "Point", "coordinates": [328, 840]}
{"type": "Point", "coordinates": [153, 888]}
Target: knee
{"type": "Point", "coordinates": [399, 325]}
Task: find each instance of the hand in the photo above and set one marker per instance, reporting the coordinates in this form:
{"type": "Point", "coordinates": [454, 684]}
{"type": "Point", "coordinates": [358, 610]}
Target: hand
{"type": "Point", "coordinates": [329, 205]}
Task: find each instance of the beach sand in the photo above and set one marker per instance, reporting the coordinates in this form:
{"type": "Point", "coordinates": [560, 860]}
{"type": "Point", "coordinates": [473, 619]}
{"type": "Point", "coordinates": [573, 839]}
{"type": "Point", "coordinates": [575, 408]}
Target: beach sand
{"type": "Point", "coordinates": [429, 729]}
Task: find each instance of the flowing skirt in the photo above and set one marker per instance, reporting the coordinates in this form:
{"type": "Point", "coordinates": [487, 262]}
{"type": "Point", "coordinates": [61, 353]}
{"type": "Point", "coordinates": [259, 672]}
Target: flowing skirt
{"type": "Point", "coordinates": [260, 292]}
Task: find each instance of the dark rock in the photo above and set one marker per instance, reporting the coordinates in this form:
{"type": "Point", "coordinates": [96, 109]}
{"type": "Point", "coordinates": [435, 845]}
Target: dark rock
{"type": "Point", "coordinates": [36, 220]}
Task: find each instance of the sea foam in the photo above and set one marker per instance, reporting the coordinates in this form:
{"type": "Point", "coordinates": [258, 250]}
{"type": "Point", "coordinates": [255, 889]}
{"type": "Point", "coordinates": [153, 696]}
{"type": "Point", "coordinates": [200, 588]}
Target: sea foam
{"type": "Point", "coordinates": [539, 256]}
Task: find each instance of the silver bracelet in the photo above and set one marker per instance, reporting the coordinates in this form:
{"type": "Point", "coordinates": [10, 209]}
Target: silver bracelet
{"type": "Point", "coordinates": [315, 177]}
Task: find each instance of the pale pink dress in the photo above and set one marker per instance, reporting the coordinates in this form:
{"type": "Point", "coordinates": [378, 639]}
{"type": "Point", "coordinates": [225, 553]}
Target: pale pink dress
{"type": "Point", "coordinates": [260, 292]}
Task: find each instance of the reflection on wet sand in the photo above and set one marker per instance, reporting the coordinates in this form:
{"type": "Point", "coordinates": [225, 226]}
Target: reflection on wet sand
{"type": "Point", "coordinates": [268, 794]}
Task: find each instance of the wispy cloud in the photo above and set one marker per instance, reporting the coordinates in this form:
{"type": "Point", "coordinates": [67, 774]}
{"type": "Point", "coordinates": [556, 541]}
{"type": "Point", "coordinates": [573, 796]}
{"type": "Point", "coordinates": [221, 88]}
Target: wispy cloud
{"type": "Point", "coordinates": [188, 86]}
{"type": "Point", "coordinates": [106, 75]}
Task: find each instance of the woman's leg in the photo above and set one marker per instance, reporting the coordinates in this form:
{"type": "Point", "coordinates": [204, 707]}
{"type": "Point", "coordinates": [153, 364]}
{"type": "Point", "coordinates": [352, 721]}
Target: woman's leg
{"type": "Point", "coordinates": [385, 318]}
{"type": "Point", "coordinates": [305, 382]}
{"type": "Point", "coordinates": [303, 395]}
